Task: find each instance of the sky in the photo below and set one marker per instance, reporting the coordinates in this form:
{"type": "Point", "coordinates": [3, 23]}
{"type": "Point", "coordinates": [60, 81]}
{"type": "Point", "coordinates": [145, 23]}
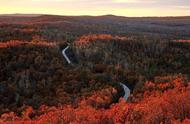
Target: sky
{"type": "Point", "coordinates": [129, 8]}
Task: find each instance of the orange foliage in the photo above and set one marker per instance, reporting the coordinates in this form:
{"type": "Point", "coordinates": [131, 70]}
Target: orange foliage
{"type": "Point", "coordinates": [183, 41]}
{"type": "Point", "coordinates": [17, 43]}
{"type": "Point", "coordinates": [100, 99]}
{"type": "Point", "coordinates": [172, 106]}
{"type": "Point", "coordinates": [89, 38]}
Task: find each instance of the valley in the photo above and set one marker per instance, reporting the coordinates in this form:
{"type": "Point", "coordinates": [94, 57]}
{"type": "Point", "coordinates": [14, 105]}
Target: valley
{"type": "Point", "coordinates": [94, 69]}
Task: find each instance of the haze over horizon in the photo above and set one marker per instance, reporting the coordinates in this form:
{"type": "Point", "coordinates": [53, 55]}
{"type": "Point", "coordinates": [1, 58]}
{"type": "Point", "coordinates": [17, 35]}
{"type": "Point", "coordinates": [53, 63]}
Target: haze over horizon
{"type": "Point", "coordinates": [129, 8]}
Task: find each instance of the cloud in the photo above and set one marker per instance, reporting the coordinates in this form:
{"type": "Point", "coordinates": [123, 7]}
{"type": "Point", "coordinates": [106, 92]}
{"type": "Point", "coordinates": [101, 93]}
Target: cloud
{"type": "Point", "coordinates": [53, 0]}
{"type": "Point", "coordinates": [97, 7]}
{"type": "Point", "coordinates": [134, 1]}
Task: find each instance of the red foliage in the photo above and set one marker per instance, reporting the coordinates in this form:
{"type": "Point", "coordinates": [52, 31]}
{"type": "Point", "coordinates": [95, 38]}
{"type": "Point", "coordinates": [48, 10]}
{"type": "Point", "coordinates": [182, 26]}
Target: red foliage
{"type": "Point", "coordinates": [89, 38]}
{"type": "Point", "coordinates": [17, 43]}
{"type": "Point", "coordinates": [171, 106]}
{"type": "Point", "coordinates": [183, 41]}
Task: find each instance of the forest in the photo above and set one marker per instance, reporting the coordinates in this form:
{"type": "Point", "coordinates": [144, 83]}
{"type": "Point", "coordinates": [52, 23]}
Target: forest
{"type": "Point", "coordinates": [60, 28]}
{"type": "Point", "coordinates": [38, 86]}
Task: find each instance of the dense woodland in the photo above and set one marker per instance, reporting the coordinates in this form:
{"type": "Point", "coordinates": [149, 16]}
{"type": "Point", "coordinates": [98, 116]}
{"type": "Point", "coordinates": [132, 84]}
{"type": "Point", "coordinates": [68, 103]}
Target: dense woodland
{"type": "Point", "coordinates": [38, 86]}
{"type": "Point", "coordinates": [60, 28]}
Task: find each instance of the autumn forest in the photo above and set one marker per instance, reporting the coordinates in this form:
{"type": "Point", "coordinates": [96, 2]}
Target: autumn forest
{"type": "Point", "coordinates": [149, 55]}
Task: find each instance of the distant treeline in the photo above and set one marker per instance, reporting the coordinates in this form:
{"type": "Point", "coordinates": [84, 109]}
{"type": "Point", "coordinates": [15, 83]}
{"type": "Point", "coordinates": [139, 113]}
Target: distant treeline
{"type": "Point", "coordinates": [59, 28]}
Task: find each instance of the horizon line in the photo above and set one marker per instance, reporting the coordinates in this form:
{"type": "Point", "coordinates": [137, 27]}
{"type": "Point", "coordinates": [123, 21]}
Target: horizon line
{"type": "Point", "coordinates": [41, 14]}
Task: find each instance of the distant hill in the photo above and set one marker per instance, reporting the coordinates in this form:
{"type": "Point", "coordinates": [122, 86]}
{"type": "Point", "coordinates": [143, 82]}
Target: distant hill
{"type": "Point", "coordinates": [20, 15]}
{"type": "Point", "coordinates": [59, 28]}
{"type": "Point", "coordinates": [107, 18]}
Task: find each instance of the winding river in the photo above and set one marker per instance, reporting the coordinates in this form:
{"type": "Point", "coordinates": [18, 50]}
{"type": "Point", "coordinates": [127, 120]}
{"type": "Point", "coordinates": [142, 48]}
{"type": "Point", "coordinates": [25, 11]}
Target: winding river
{"type": "Point", "coordinates": [125, 88]}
